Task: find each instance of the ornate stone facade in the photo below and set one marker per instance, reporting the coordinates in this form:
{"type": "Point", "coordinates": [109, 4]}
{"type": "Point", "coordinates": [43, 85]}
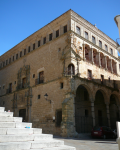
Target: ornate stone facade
{"type": "Point", "coordinates": [76, 64]}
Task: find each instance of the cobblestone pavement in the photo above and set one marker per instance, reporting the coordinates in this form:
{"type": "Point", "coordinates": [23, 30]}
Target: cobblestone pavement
{"type": "Point", "coordinates": [90, 144]}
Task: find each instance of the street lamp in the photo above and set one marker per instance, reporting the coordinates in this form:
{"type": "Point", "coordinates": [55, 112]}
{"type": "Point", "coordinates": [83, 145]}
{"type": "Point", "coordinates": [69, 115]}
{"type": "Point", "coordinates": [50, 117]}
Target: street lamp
{"type": "Point", "coordinates": [46, 96]}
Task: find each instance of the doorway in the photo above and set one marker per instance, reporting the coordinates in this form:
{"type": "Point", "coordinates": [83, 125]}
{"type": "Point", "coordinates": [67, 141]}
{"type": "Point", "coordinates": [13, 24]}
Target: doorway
{"type": "Point", "coordinates": [22, 113]}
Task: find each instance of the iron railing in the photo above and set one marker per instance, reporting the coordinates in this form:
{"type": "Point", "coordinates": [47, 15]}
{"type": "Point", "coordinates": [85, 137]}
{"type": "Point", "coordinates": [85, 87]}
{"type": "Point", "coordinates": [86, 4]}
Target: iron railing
{"type": "Point", "coordinates": [39, 81]}
{"type": "Point", "coordinates": [8, 91]}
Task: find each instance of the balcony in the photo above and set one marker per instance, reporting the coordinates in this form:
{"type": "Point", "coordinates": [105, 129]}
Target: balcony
{"type": "Point", "coordinates": [21, 86]}
{"type": "Point", "coordinates": [118, 42]}
{"type": "Point", "coordinates": [8, 91]}
{"type": "Point", "coordinates": [39, 81]}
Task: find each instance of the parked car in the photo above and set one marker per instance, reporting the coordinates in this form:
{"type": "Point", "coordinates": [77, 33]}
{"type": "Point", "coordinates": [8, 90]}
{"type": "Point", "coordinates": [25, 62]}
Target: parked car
{"type": "Point", "coordinates": [102, 132]}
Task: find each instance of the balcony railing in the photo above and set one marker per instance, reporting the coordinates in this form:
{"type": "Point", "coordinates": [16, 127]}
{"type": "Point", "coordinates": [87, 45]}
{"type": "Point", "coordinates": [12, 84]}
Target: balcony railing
{"type": "Point", "coordinates": [39, 81]}
{"type": "Point", "coordinates": [21, 86]}
{"type": "Point", "coordinates": [8, 91]}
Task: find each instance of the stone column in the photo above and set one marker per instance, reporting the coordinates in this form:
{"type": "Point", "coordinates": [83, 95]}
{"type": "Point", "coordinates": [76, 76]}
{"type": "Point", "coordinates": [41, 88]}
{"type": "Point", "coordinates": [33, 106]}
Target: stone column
{"type": "Point", "coordinates": [84, 52]}
{"type": "Point", "coordinates": [111, 65]}
{"type": "Point", "coordinates": [92, 56]}
{"type": "Point", "coordinates": [99, 61]}
{"type": "Point", "coordinates": [93, 112]}
{"type": "Point", "coordinates": [108, 114]}
{"type": "Point", "coordinates": [106, 63]}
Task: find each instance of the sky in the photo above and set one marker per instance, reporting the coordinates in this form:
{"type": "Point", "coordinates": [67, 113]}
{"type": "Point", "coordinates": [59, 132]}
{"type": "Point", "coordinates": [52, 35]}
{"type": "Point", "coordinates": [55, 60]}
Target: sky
{"type": "Point", "coordinates": [20, 18]}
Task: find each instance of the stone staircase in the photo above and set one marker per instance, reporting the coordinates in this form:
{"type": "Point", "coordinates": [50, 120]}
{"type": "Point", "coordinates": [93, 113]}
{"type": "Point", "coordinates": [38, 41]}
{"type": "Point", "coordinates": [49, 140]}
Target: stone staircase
{"type": "Point", "coordinates": [15, 136]}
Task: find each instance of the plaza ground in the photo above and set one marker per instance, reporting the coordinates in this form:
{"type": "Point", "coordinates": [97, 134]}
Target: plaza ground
{"type": "Point", "coordinates": [88, 143]}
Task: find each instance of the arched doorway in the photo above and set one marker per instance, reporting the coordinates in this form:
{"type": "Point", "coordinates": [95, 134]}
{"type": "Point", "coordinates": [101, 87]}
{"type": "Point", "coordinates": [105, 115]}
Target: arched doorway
{"type": "Point", "coordinates": [114, 111]}
{"type": "Point", "coordinates": [100, 109]}
{"type": "Point", "coordinates": [83, 119]}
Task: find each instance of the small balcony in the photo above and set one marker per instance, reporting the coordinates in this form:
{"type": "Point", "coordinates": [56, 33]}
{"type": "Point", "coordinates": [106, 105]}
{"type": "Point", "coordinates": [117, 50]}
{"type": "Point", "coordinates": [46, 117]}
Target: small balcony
{"type": "Point", "coordinates": [8, 91]}
{"type": "Point", "coordinates": [118, 42]}
{"type": "Point", "coordinates": [21, 86]}
{"type": "Point", "coordinates": [39, 81]}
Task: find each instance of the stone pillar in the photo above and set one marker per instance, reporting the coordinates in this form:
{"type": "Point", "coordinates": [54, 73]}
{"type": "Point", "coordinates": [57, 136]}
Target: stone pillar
{"type": "Point", "coordinates": [92, 56]}
{"type": "Point", "coordinates": [93, 112]}
{"type": "Point", "coordinates": [84, 52]}
{"type": "Point", "coordinates": [99, 61]}
{"type": "Point", "coordinates": [68, 117]}
{"type": "Point", "coordinates": [111, 65]}
{"type": "Point", "coordinates": [108, 114]}
{"type": "Point", "coordinates": [106, 63]}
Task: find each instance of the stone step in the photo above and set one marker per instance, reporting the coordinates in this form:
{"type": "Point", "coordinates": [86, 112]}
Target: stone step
{"type": "Point", "coordinates": [2, 109]}
{"type": "Point", "coordinates": [63, 147]}
{"type": "Point", "coordinates": [46, 144]}
{"type": "Point", "coordinates": [31, 145]}
{"type": "Point", "coordinates": [15, 124]}
{"type": "Point", "coordinates": [16, 131]}
{"type": "Point", "coordinates": [8, 114]}
{"type": "Point", "coordinates": [10, 119]}
{"type": "Point", "coordinates": [24, 138]}
{"type": "Point", "coordinates": [15, 146]}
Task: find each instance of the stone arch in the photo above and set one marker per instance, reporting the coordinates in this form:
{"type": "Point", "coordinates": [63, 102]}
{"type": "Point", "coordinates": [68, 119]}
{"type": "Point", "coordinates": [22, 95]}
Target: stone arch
{"type": "Point", "coordinates": [100, 108]}
{"type": "Point", "coordinates": [83, 114]}
{"type": "Point", "coordinates": [88, 89]}
{"type": "Point", "coordinates": [116, 94]}
{"type": "Point", "coordinates": [71, 69]}
{"type": "Point", "coordinates": [114, 109]}
{"type": "Point", "coordinates": [106, 99]}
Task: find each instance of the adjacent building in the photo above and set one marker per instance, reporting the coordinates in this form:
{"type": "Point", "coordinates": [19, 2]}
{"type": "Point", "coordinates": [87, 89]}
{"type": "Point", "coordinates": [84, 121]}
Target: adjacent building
{"type": "Point", "coordinates": [64, 78]}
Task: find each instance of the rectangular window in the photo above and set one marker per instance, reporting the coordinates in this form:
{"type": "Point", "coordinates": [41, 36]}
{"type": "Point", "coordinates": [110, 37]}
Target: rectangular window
{"type": "Point", "coordinates": [41, 77]}
{"type": "Point", "coordinates": [102, 79]}
{"type": "Point", "coordinates": [21, 54]}
{"type": "Point", "coordinates": [86, 113]}
{"type": "Point", "coordinates": [65, 29]}
{"type": "Point", "coordinates": [24, 51]}
{"type": "Point", "coordinates": [23, 82]}
{"type": "Point", "coordinates": [44, 40]}
{"type": "Point", "coordinates": [86, 35]}
{"type": "Point", "coordinates": [61, 85]}
{"type": "Point", "coordinates": [106, 48]}
{"type": "Point", "coordinates": [6, 62]}
{"type": "Point", "coordinates": [33, 75]}
{"type": "Point", "coordinates": [57, 33]}
{"type": "Point", "coordinates": [93, 39]}
{"type": "Point", "coordinates": [38, 96]}
{"type": "Point", "coordinates": [33, 46]}
{"type": "Point", "coordinates": [111, 51]}
{"type": "Point", "coordinates": [13, 58]}
{"type": "Point", "coordinates": [100, 44]}
{"type": "Point", "coordinates": [77, 30]}
{"type": "Point", "coordinates": [3, 64]}
{"type": "Point", "coordinates": [28, 49]}
{"type": "Point", "coordinates": [89, 74]}
{"type": "Point", "coordinates": [50, 37]}
{"type": "Point", "coordinates": [39, 43]}
{"type": "Point", "coordinates": [10, 87]}
{"type": "Point", "coordinates": [16, 56]}
{"type": "Point", "coordinates": [9, 60]}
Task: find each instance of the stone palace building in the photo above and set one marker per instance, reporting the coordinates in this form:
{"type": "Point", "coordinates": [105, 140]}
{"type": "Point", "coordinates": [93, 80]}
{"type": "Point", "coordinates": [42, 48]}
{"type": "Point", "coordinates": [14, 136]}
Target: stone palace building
{"type": "Point", "coordinates": [64, 78]}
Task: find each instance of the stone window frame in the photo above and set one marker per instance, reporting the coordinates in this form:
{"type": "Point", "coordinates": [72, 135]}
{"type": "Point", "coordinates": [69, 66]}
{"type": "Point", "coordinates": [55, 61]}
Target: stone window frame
{"type": "Point", "coordinates": [44, 40]}
{"type": "Point", "coordinates": [100, 43]}
{"type": "Point", "coordinates": [86, 35]}
{"type": "Point", "coordinates": [78, 32]}
{"type": "Point", "coordinates": [106, 47]}
{"type": "Point", "coordinates": [57, 33]}
{"type": "Point", "coordinates": [39, 42]}
{"type": "Point", "coordinates": [93, 41]}
{"type": "Point", "coordinates": [65, 28]}
{"type": "Point", "coordinates": [50, 36]}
